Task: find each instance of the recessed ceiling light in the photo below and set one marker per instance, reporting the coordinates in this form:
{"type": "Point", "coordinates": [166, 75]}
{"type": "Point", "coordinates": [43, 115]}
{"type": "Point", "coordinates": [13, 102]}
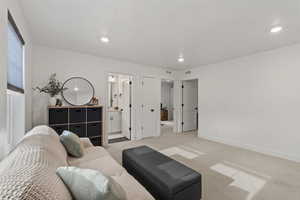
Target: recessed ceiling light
{"type": "Point", "coordinates": [181, 59]}
{"type": "Point", "coordinates": [276, 29]}
{"type": "Point", "coordinates": [105, 39]}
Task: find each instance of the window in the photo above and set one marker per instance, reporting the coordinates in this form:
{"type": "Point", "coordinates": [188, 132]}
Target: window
{"type": "Point", "coordinates": [15, 84]}
{"type": "Point", "coordinates": [15, 57]}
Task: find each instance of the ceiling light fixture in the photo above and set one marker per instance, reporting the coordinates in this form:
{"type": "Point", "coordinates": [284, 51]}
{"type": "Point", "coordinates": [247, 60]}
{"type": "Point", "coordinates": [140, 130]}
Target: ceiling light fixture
{"type": "Point", "coordinates": [276, 29]}
{"type": "Point", "coordinates": [105, 39]}
{"type": "Point", "coordinates": [181, 59]}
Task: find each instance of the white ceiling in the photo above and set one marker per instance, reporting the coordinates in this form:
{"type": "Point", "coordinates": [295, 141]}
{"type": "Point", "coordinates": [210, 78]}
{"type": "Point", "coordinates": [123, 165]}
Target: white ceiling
{"type": "Point", "coordinates": [155, 32]}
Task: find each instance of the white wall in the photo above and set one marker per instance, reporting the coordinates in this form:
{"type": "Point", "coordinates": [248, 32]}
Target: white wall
{"type": "Point", "coordinates": [16, 11]}
{"type": "Point", "coordinates": [3, 80]}
{"type": "Point", "coordinates": [253, 102]}
{"type": "Point", "coordinates": [67, 64]}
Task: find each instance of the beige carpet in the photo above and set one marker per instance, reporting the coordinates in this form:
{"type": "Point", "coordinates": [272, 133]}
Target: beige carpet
{"type": "Point", "coordinates": [228, 173]}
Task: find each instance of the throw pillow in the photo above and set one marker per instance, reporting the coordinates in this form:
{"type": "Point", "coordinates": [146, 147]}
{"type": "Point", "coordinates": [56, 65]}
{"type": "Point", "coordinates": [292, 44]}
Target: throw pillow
{"type": "Point", "coordinates": [90, 184]}
{"type": "Point", "coordinates": [72, 143]}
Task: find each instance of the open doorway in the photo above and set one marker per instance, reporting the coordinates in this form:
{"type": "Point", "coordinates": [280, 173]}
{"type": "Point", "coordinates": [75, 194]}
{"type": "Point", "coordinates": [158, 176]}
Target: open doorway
{"type": "Point", "coordinates": [119, 108]}
{"type": "Point", "coordinates": [167, 106]}
{"type": "Point", "coordinates": [189, 105]}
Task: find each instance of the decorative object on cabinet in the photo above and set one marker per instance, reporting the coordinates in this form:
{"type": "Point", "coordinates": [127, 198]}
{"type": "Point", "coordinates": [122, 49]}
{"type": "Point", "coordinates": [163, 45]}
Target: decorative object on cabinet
{"type": "Point", "coordinates": [94, 101]}
{"type": "Point", "coordinates": [53, 89]}
{"type": "Point", "coordinates": [85, 121]}
{"type": "Point", "coordinates": [79, 91]}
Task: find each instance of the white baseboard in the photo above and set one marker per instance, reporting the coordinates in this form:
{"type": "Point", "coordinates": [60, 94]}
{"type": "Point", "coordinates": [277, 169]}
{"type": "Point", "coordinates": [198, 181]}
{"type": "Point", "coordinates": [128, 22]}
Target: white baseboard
{"type": "Point", "coordinates": [253, 148]}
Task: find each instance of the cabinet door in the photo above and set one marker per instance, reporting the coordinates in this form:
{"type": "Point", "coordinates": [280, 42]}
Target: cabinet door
{"type": "Point", "coordinates": [78, 129]}
{"type": "Point", "coordinates": [77, 115]}
{"type": "Point", "coordinates": [58, 116]}
{"type": "Point", "coordinates": [94, 129]}
{"type": "Point", "coordinates": [96, 141]}
{"type": "Point", "coordinates": [94, 114]}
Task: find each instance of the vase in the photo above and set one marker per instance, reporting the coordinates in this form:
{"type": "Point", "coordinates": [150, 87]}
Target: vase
{"type": "Point", "coordinates": [53, 100]}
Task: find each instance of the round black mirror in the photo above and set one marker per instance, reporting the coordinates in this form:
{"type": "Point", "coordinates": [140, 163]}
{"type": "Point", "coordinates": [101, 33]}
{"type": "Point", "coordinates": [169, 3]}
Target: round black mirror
{"type": "Point", "coordinates": [78, 91]}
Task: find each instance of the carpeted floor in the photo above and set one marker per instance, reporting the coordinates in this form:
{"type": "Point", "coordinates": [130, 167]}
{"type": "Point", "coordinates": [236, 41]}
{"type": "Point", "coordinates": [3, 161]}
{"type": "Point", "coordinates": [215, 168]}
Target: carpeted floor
{"type": "Point", "coordinates": [228, 173]}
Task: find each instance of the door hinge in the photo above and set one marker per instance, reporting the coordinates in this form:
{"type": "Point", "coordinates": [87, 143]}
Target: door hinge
{"type": "Point", "coordinates": [182, 86]}
{"type": "Point", "coordinates": [182, 105]}
{"type": "Point", "coordinates": [130, 129]}
{"type": "Point", "coordinates": [182, 123]}
{"type": "Point", "coordinates": [130, 82]}
{"type": "Point", "coordinates": [130, 105]}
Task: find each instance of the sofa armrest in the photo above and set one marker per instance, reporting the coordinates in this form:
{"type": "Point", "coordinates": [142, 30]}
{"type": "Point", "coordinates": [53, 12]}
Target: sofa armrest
{"type": "Point", "coordinates": [86, 142]}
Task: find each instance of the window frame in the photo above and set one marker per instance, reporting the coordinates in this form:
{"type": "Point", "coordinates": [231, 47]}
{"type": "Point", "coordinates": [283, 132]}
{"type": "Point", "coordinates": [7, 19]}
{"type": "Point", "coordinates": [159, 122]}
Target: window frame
{"type": "Point", "coordinates": [12, 22]}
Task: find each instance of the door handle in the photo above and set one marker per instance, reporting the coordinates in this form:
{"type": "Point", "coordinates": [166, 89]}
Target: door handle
{"type": "Point", "coordinates": [152, 110]}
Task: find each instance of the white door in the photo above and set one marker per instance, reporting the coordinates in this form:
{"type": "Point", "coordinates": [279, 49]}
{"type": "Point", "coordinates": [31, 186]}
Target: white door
{"type": "Point", "coordinates": [190, 105]}
{"type": "Point", "coordinates": [125, 108]}
{"type": "Point", "coordinates": [151, 88]}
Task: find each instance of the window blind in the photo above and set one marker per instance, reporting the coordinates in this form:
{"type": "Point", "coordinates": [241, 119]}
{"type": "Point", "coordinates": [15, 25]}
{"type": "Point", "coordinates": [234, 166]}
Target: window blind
{"type": "Point", "coordinates": [15, 57]}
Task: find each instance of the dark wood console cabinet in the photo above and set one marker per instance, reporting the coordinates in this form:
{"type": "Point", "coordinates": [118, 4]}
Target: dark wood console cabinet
{"type": "Point", "coordinates": [85, 121]}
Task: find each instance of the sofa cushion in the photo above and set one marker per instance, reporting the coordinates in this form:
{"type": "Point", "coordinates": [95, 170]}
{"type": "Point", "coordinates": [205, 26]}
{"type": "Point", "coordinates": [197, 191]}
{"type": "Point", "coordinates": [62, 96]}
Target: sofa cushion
{"type": "Point", "coordinates": [72, 144]}
{"type": "Point", "coordinates": [105, 164]}
{"type": "Point", "coordinates": [91, 153]}
{"type": "Point", "coordinates": [42, 130]}
{"type": "Point", "coordinates": [134, 190]}
{"type": "Point", "coordinates": [86, 142]}
{"type": "Point", "coordinates": [90, 184]}
{"type": "Point", "coordinates": [48, 139]}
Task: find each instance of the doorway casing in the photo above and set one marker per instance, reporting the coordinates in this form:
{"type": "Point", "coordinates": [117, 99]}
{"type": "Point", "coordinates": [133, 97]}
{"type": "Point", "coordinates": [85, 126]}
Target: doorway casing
{"type": "Point", "coordinates": [130, 106]}
{"type": "Point", "coordinates": [178, 101]}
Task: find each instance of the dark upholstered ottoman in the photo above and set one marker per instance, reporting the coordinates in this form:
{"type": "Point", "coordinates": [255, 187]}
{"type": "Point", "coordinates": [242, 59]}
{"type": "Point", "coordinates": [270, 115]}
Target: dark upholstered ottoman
{"type": "Point", "coordinates": [163, 177]}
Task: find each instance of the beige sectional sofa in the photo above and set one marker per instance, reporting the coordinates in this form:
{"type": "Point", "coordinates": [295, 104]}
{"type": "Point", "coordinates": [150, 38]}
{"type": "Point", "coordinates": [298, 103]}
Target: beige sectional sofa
{"type": "Point", "coordinates": [28, 172]}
